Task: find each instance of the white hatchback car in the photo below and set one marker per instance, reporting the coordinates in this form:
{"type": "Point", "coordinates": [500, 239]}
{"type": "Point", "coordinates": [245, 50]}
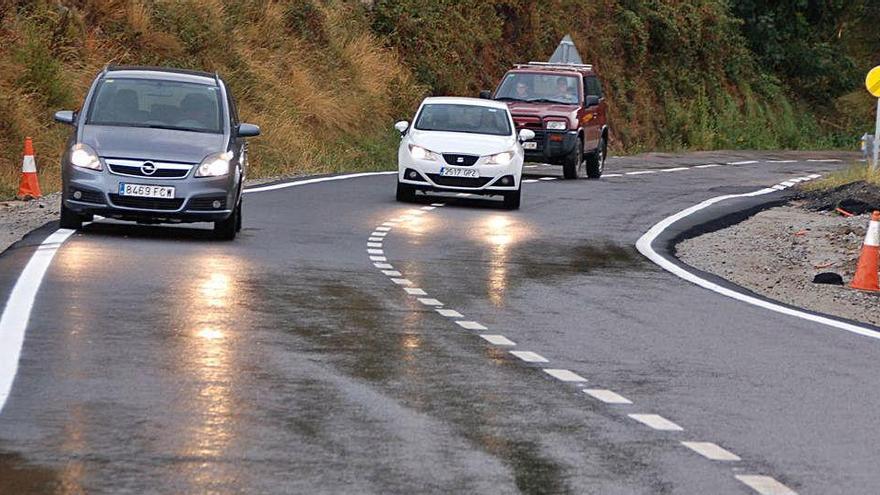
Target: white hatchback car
{"type": "Point", "coordinates": [462, 145]}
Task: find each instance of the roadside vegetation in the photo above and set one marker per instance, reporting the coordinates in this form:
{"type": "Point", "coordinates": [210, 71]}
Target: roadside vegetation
{"type": "Point", "coordinates": [859, 172]}
{"type": "Point", "coordinates": [325, 79]}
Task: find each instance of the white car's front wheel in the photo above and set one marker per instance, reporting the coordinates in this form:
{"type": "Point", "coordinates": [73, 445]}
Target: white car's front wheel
{"type": "Point", "coordinates": [405, 193]}
{"type": "Point", "coordinates": [512, 199]}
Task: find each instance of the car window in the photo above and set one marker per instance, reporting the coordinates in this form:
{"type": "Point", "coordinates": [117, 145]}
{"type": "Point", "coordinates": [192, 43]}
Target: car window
{"type": "Point", "coordinates": [464, 118]}
{"type": "Point", "coordinates": [592, 86]}
{"type": "Point", "coordinates": [157, 104]}
{"type": "Point", "coordinates": [528, 86]}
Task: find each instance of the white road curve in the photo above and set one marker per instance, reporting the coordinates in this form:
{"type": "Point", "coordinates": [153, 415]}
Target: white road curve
{"type": "Point", "coordinates": [644, 245]}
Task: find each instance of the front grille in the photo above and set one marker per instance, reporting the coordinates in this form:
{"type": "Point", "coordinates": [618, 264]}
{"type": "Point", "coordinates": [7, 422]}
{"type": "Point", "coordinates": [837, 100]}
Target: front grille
{"type": "Point", "coordinates": [459, 181]}
{"type": "Point", "coordinates": [168, 204]}
{"type": "Point", "coordinates": [540, 137]}
{"type": "Point", "coordinates": [87, 196]}
{"type": "Point", "coordinates": [160, 173]}
{"type": "Point", "coordinates": [206, 203]}
{"type": "Point", "coordinates": [466, 160]}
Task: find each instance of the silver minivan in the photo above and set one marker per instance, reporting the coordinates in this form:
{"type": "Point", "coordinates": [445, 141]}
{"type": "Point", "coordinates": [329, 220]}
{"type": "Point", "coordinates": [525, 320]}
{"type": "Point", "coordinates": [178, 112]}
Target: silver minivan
{"type": "Point", "coordinates": [155, 145]}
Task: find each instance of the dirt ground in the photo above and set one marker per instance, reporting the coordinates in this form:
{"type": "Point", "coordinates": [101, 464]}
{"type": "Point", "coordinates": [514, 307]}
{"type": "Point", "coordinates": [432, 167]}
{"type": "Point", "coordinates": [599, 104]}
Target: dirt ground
{"type": "Point", "coordinates": [17, 218]}
{"type": "Point", "coordinates": [777, 252]}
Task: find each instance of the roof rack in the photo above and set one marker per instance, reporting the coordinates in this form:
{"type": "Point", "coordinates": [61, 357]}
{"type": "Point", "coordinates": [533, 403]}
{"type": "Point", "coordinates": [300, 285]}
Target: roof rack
{"type": "Point", "coordinates": [551, 65]}
{"type": "Point", "coordinates": [172, 70]}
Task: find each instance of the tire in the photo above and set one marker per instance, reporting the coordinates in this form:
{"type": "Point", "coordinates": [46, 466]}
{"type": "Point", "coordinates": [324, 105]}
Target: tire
{"type": "Point", "coordinates": [573, 166]}
{"type": "Point", "coordinates": [70, 219]}
{"type": "Point", "coordinates": [405, 193]}
{"type": "Point", "coordinates": [596, 160]}
{"type": "Point", "coordinates": [225, 230]}
{"type": "Point", "coordinates": [239, 217]}
{"type": "Point", "coordinates": [512, 199]}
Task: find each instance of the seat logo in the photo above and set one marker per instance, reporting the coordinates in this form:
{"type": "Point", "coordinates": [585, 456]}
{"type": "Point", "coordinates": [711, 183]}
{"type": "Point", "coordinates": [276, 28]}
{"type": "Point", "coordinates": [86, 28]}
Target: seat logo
{"type": "Point", "coordinates": [460, 160]}
{"type": "Point", "coordinates": [148, 168]}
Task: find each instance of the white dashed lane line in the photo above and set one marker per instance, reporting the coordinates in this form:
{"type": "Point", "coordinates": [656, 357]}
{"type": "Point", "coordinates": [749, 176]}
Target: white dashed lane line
{"type": "Point", "coordinates": [656, 422]}
{"type": "Point", "coordinates": [607, 396]}
{"type": "Point", "coordinates": [449, 313]}
{"type": "Point", "coordinates": [374, 244]}
{"type": "Point", "coordinates": [427, 301]}
{"type": "Point", "coordinates": [746, 162]}
{"type": "Point", "coordinates": [375, 251]}
{"type": "Point", "coordinates": [401, 281]}
{"type": "Point", "coordinates": [676, 169]}
{"type": "Point", "coordinates": [383, 229]}
{"type": "Point", "coordinates": [567, 376]}
{"type": "Point", "coordinates": [383, 266]}
{"type": "Point", "coordinates": [764, 485]}
{"type": "Point", "coordinates": [378, 258]}
{"type": "Point", "coordinates": [712, 451]}
{"type": "Point", "coordinates": [391, 273]}
{"type": "Point", "coordinates": [498, 340]}
{"type": "Point", "coordinates": [708, 165]}
{"type": "Point", "coordinates": [415, 291]}
{"type": "Point", "coordinates": [471, 325]}
{"type": "Point", "coordinates": [530, 357]}
{"type": "Point", "coordinates": [641, 172]}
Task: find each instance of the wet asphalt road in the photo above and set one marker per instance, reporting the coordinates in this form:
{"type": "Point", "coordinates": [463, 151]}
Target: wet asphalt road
{"type": "Point", "coordinates": [159, 361]}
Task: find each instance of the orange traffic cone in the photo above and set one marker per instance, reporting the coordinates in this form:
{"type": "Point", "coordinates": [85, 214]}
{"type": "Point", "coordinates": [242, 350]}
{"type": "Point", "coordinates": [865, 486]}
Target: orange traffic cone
{"type": "Point", "coordinates": [29, 187]}
{"type": "Point", "coordinates": [866, 272]}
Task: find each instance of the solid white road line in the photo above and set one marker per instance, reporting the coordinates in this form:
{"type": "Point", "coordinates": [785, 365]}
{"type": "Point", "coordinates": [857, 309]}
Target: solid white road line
{"type": "Point", "coordinates": [530, 181]}
{"type": "Point", "coordinates": [644, 245]}
{"type": "Point", "coordinates": [708, 165]}
{"type": "Point", "coordinates": [530, 357]}
{"type": "Point", "coordinates": [676, 169]}
{"type": "Point", "coordinates": [607, 396]}
{"type": "Point", "coordinates": [781, 161]}
{"type": "Point", "coordinates": [430, 302]}
{"type": "Point", "coordinates": [642, 172]}
{"type": "Point", "coordinates": [825, 160]}
{"type": "Point", "coordinates": [401, 281]}
{"type": "Point", "coordinates": [612, 175]}
{"type": "Point", "coordinates": [498, 340]}
{"type": "Point", "coordinates": [450, 313]}
{"type": "Point", "coordinates": [470, 325]}
{"type": "Point", "coordinates": [565, 375]}
{"type": "Point", "coordinates": [764, 485]}
{"type": "Point", "coordinates": [712, 451]}
{"type": "Point", "coordinates": [746, 162]}
{"type": "Point", "coordinates": [413, 291]}
{"type": "Point", "coordinates": [17, 313]}
{"type": "Point", "coordinates": [304, 182]}
{"type": "Point", "coordinates": [391, 273]}
{"type": "Point", "coordinates": [547, 178]}
{"type": "Point", "coordinates": [656, 422]}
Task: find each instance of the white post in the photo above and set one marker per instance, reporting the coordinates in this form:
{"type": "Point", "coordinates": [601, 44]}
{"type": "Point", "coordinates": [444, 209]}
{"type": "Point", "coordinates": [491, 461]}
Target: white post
{"type": "Point", "coordinates": [876, 138]}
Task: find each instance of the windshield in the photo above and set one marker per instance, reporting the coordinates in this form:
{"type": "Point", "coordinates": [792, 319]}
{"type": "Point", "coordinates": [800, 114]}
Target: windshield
{"type": "Point", "coordinates": [464, 118]}
{"type": "Point", "coordinates": [550, 88]}
{"type": "Point", "coordinates": [157, 104]}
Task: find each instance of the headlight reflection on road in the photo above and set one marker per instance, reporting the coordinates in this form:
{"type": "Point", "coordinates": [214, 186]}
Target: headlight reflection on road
{"type": "Point", "coordinates": [500, 232]}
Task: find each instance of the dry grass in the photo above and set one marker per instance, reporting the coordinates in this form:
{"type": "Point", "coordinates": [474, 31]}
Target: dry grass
{"type": "Point", "coordinates": [856, 172]}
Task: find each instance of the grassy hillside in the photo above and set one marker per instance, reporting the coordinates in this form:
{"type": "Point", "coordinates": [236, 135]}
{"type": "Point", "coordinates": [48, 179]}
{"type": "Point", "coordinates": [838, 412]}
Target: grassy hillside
{"type": "Point", "coordinates": [326, 79]}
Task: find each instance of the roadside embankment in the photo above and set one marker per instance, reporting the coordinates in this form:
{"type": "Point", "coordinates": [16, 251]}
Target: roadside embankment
{"type": "Point", "coordinates": [17, 218]}
{"type": "Point", "coordinates": [777, 252]}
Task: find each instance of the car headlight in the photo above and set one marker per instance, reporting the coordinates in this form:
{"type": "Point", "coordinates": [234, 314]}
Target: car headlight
{"type": "Point", "coordinates": [501, 158]}
{"type": "Point", "coordinates": [82, 155]}
{"type": "Point", "coordinates": [420, 153]}
{"type": "Point", "coordinates": [556, 125]}
{"type": "Point", "coordinates": [215, 165]}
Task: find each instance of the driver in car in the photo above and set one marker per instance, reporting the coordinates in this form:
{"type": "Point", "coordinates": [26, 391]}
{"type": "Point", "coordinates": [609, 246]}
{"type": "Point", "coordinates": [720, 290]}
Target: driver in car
{"type": "Point", "coordinates": [522, 91]}
{"type": "Point", "coordinates": [564, 91]}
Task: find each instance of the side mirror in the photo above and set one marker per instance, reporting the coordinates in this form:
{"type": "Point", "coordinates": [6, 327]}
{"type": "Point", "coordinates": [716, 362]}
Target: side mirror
{"type": "Point", "coordinates": [401, 127]}
{"type": "Point", "coordinates": [591, 101]}
{"type": "Point", "coordinates": [526, 135]}
{"type": "Point", "coordinates": [65, 117]}
{"type": "Point", "coordinates": [486, 94]}
{"type": "Point", "coordinates": [248, 130]}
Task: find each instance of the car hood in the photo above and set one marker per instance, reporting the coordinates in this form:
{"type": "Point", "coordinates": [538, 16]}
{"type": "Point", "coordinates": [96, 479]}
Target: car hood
{"type": "Point", "coordinates": [541, 109]}
{"type": "Point", "coordinates": [461, 142]}
{"type": "Point", "coordinates": [152, 144]}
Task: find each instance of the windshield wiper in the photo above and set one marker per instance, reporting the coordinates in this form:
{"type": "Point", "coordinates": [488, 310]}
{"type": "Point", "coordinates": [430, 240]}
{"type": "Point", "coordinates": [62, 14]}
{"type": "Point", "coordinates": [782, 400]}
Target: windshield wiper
{"type": "Point", "coordinates": [548, 100]}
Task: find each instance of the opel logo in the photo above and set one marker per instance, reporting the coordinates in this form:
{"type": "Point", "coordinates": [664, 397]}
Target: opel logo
{"type": "Point", "coordinates": [148, 168]}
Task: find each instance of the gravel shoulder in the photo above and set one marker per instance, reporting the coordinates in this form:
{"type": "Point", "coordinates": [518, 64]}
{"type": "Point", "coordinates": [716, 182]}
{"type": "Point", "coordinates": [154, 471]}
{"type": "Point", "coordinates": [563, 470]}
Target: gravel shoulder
{"type": "Point", "coordinates": [777, 252]}
{"type": "Point", "coordinates": [17, 218]}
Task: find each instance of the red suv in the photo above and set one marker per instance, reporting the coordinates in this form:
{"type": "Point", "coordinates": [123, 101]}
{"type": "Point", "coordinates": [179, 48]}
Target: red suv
{"type": "Point", "coordinates": [563, 104]}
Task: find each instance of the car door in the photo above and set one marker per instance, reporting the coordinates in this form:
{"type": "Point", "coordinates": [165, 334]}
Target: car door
{"type": "Point", "coordinates": [597, 120]}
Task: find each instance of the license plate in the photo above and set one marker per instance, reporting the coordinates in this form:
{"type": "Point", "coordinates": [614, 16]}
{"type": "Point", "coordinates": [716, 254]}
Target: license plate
{"type": "Point", "coordinates": [530, 145]}
{"type": "Point", "coordinates": [146, 191]}
{"type": "Point", "coordinates": [459, 172]}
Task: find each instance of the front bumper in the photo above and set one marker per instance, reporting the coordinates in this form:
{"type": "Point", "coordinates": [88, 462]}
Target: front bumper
{"type": "Point", "coordinates": [96, 193]}
{"type": "Point", "coordinates": [553, 146]}
{"type": "Point", "coordinates": [489, 180]}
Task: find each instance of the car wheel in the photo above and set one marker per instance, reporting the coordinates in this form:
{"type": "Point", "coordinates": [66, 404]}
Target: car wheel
{"type": "Point", "coordinates": [512, 199]}
{"type": "Point", "coordinates": [405, 193]}
{"type": "Point", "coordinates": [573, 165]}
{"type": "Point", "coordinates": [70, 219]}
{"type": "Point", "coordinates": [596, 160]}
{"type": "Point", "coordinates": [225, 230]}
{"type": "Point", "coordinates": [239, 217]}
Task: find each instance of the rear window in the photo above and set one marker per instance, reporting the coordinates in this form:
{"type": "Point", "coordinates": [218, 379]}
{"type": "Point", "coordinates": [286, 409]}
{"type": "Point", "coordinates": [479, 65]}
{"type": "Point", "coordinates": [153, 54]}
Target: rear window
{"type": "Point", "coordinates": [472, 119]}
{"type": "Point", "coordinates": [157, 104]}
